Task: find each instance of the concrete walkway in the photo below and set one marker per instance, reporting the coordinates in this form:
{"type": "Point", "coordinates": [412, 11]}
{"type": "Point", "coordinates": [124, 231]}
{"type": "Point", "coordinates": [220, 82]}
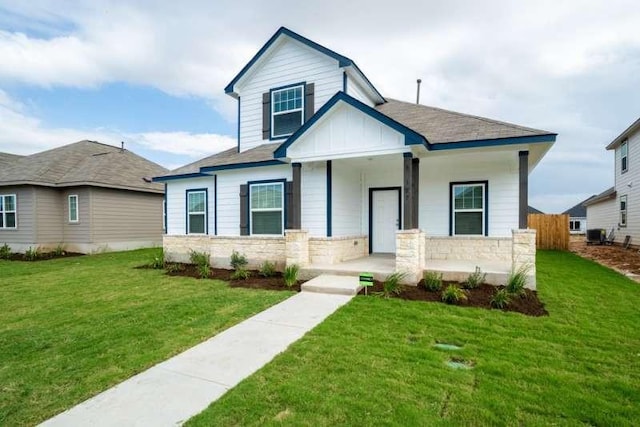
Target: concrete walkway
{"type": "Point", "coordinates": [173, 391]}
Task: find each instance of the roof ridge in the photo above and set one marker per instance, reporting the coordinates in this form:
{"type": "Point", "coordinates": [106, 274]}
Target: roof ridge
{"type": "Point", "coordinates": [485, 119]}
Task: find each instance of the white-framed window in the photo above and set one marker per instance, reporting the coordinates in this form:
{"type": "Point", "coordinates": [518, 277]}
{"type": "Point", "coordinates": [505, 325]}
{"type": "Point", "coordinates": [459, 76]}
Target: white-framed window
{"type": "Point", "coordinates": [623, 211]}
{"type": "Point", "coordinates": [164, 215]}
{"type": "Point", "coordinates": [8, 211]}
{"type": "Point", "coordinates": [197, 211]}
{"type": "Point", "coordinates": [266, 207]}
{"type": "Point", "coordinates": [468, 209]}
{"type": "Point", "coordinates": [287, 110]}
{"type": "Point", "coordinates": [574, 225]}
{"type": "Point", "coordinates": [73, 208]}
{"type": "Point", "coordinates": [624, 156]}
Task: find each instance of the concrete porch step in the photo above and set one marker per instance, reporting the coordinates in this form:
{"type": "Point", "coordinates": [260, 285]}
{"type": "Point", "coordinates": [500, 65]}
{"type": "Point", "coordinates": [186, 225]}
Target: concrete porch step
{"type": "Point", "coordinates": [311, 272]}
{"type": "Point", "coordinates": [333, 284]}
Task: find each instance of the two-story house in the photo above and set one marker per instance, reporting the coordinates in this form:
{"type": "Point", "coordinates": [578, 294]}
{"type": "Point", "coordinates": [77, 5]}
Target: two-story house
{"type": "Point", "coordinates": [618, 207]}
{"type": "Point", "coordinates": [327, 169]}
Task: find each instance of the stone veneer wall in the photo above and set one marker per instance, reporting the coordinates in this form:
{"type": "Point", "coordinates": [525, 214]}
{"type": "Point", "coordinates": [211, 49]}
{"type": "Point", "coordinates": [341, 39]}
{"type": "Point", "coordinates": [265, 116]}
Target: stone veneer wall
{"type": "Point", "coordinates": [256, 249]}
{"type": "Point", "coordinates": [332, 250]}
{"type": "Point", "coordinates": [523, 254]}
{"type": "Point", "coordinates": [464, 248]}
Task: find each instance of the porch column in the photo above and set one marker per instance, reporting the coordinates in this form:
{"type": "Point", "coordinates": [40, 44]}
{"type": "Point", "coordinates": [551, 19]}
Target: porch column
{"type": "Point", "coordinates": [415, 178]}
{"type": "Point", "coordinates": [296, 217]}
{"type": "Point", "coordinates": [407, 223]}
{"type": "Point", "coordinates": [524, 189]}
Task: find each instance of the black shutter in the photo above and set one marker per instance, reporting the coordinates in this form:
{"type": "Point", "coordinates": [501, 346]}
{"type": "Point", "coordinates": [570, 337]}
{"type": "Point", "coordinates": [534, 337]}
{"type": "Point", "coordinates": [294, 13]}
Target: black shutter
{"type": "Point", "coordinates": [308, 101]}
{"type": "Point", "coordinates": [288, 206]}
{"type": "Point", "coordinates": [266, 115]}
{"type": "Point", "coordinates": [244, 210]}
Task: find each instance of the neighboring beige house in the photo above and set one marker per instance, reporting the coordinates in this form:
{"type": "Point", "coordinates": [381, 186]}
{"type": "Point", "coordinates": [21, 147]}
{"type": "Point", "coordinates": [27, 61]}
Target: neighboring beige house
{"type": "Point", "coordinates": [87, 196]}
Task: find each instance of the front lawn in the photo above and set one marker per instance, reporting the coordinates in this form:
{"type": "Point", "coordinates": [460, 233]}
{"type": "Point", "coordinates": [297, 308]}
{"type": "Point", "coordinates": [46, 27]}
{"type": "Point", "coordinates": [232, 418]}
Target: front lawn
{"type": "Point", "coordinates": [373, 362]}
{"type": "Point", "coordinates": [73, 327]}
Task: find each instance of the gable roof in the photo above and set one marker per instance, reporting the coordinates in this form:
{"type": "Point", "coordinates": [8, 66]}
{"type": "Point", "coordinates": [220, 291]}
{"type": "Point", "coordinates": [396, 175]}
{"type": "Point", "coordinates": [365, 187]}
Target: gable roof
{"type": "Point", "coordinates": [635, 126]}
{"type": "Point", "coordinates": [451, 129]}
{"type": "Point", "coordinates": [85, 163]}
{"type": "Point", "coordinates": [343, 61]}
{"type": "Point", "coordinates": [533, 210]}
{"type": "Point", "coordinates": [579, 210]}
{"type": "Point", "coordinates": [7, 159]}
{"type": "Point", "coordinates": [608, 194]}
{"type": "Point", "coordinates": [261, 155]}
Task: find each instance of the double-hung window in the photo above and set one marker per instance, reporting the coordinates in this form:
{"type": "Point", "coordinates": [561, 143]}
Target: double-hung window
{"type": "Point", "coordinates": [8, 211]}
{"type": "Point", "coordinates": [196, 211]}
{"type": "Point", "coordinates": [623, 211]}
{"type": "Point", "coordinates": [468, 209]}
{"type": "Point", "coordinates": [574, 225]}
{"type": "Point", "coordinates": [624, 156]}
{"type": "Point", "coordinates": [73, 208]}
{"type": "Point", "coordinates": [287, 110]}
{"type": "Point", "coordinates": [266, 208]}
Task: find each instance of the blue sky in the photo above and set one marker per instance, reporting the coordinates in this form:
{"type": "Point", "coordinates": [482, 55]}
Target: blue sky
{"type": "Point", "coordinates": [152, 73]}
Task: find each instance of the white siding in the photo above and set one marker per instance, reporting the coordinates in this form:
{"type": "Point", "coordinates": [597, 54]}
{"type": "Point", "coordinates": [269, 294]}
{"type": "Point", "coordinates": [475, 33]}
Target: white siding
{"type": "Point", "coordinates": [314, 198]}
{"type": "Point", "coordinates": [229, 193]}
{"type": "Point", "coordinates": [346, 205]}
{"type": "Point", "coordinates": [628, 184]}
{"type": "Point", "coordinates": [346, 132]}
{"type": "Point", "coordinates": [385, 171]}
{"type": "Point", "coordinates": [291, 62]}
{"type": "Point", "coordinates": [176, 203]}
{"type": "Point", "coordinates": [499, 168]}
{"type": "Point", "coordinates": [356, 91]}
{"type": "Point", "coordinates": [603, 215]}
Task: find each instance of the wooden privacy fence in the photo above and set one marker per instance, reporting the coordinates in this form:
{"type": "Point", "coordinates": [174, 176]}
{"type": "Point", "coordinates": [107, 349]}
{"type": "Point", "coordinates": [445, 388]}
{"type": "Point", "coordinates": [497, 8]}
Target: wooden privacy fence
{"type": "Point", "coordinates": [552, 231]}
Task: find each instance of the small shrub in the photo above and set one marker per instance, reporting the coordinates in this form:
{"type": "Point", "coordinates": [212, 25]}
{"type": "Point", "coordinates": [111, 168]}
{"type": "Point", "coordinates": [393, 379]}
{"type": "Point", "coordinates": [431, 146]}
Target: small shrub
{"type": "Point", "coordinates": [5, 251]}
{"type": "Point", "coordinates": [517, 281]}
{"type": "Point", "coordinates": [391, 285]}
{"type": "Point", "coordinates": [500, 299]}
{"type": "Point", "coordinates": [238, 261]}
{"type": "Point", "coordinates": [31, 254]}
{"type": "Point", "coordinates": [157, 262]}
{"type": "Point", "coordinates": [173, 267]}
{"type": "Point", "coordinates": [432, 280]}
{"type": "Point", "coordinates": [240, 274]}
{"type": "Point", "coordinates": [290, 275]}
{"type": "Point", "coordinates": [267, 269]}
{"type": "Point", "coordinates": [475, 279]}
{"type": "Point", "coordinates": [201, 261]}
{"type": "Point", "coordinates": [59, 250]}
{"type": "Point", "coordinates": [453, 295]}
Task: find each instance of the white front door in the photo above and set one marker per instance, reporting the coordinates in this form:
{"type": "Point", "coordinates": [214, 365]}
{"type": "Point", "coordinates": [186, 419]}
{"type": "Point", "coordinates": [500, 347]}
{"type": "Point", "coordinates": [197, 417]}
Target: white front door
{"type": "Point", "coordinates": [385, 220]}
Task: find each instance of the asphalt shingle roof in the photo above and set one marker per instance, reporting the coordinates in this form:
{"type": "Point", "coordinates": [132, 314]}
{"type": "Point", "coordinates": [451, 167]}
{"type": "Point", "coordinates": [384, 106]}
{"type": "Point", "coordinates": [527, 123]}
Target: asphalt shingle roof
{"type": "Point", "coordinates": [442, 126]}
{"type": "Point", "coordinates": [7, 159]}
{"type": "Point", "coordinates": [231, 156]}
{"type": "Point", "coordinates": [579, 210]}
{"type": "Point", "coordinates": [85, 163]}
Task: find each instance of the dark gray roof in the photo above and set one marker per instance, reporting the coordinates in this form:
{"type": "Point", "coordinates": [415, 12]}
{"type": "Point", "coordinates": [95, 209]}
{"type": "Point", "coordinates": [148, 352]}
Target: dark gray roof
{"type": "Point", "coordinates": [609, 193]}
{"type": "Point", "coordinates": [85, 163]}
{"type": "Point", "coordinates": [261, 153]}
{"type": "Point", "coordinates": [579, 210]}
{"type": "Point", "coordinates": [441, 126]}
{"type": "Point", "coordinates": [533, 210]}
{"type": "Point", "coordinates": [7, 159]}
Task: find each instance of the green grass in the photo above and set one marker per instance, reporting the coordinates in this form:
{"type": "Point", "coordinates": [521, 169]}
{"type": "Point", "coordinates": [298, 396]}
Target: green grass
{"type": "Point", "coordinates": [373, 362]}
{"type": "Point", "coordinates": [70, 328]}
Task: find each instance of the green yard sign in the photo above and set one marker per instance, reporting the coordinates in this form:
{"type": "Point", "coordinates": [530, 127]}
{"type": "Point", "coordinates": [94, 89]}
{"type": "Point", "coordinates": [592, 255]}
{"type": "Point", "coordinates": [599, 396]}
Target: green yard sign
{"type": "Point", "coordinates": [366, 280]}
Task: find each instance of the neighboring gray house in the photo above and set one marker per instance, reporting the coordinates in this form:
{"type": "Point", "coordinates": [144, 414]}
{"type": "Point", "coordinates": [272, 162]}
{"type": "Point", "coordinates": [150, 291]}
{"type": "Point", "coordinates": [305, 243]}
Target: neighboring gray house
{"type": "Point", "coordinates": [533, 210]}
{"type": "Point", "coordinates": [87, 196]}
{"type": "Point", "coordinates": [578, 217]}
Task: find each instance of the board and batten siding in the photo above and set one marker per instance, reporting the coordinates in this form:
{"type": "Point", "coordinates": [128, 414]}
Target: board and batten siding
{"type": "Point", "coordinates": [176, 203]}
{"type": "Point", "coordinates": [49, 216]}
{"type": "Point", "coordinates": [26, 218]}
{"type": "Point", "coordinates": [314, 198]}
{"type": "Point", "coordinates": [628, 184]}
{"type": "Point", "coordinates": [291, 62]}
{"type": "Point", "coordinates": [229, 182]}
{"type": "Point", "coordinates": [603, 215]}
{"type": "Point", "coordinates": [346, 204]}
{"type": "Point", "coordinates": [120, 216]}
{"type": "Point", "coordinates": [77, 232]}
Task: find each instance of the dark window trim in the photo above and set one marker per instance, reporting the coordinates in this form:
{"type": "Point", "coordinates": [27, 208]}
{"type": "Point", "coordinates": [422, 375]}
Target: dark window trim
{"type": "Point", "coordinates": [304, 107]}
{"type": "Point", "coordinates": [206, 209]}
{"type": "Point", "coordinates": [486, 204]}
{"type": "Point", "coordinates": [284, 203]}
{"type": "Point", "coordinates": [371, 191]}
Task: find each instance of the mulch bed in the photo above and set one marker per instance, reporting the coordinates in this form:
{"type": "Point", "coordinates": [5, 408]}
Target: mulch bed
{"type": "Point", "coordinates": [528, 304]}
{"type": "Point", "coordinates": [627, 261]}
{"type": "Point", "coordinates": [43, 256]}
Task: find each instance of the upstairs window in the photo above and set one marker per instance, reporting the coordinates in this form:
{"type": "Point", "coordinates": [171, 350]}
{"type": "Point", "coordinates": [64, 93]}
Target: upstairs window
{"type": "Point", "coordinates": [468, 209]}
{"type": "Point", "coordinates": [287, 110]}
{"type": "Point", "coordinates": [624, 156]}
{"type": "Point", "coordinates": [73, 208]}
{"type": "Point", "coordinates": [196, 211]}
{"type": "Point", "coordinates": [8, 211]}
{"type": "Point", "coordinates": [623, 211]}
